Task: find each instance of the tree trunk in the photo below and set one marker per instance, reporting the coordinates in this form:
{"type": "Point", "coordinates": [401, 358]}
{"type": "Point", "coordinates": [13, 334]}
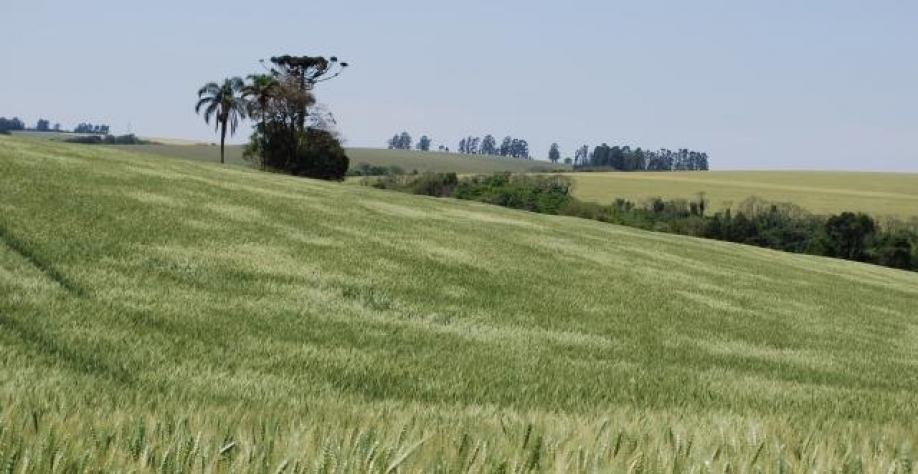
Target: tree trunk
{"type": "Point", "coordinates": [222, 140]}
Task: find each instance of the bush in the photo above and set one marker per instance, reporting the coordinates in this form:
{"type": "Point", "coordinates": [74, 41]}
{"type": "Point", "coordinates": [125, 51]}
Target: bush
{"type": "Point", "coordinates": [544, 194]}
{"type": "Point", "coordinates": [313, 153]}
{"type": "Point", "coordinates": [894, 251]}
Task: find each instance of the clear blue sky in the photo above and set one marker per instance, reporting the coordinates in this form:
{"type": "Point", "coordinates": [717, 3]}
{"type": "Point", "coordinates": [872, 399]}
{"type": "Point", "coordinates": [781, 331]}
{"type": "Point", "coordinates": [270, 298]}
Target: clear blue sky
{"type": "Point", "coordinates": [778, 84]}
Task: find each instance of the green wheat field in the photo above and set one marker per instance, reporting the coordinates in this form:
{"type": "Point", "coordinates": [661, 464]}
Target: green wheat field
{"type": "Point", "coordinates": [178, 316]}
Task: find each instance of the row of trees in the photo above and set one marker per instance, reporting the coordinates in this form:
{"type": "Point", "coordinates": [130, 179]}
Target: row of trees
{"type": "Point", "coordinates": [602, 157]}
{"type": "Point", "coordinates": [14, 124]}
{"type": "Point", "coordinates": [403, 141]}
{"type": "Point", "coordinates": [86, 127]}
{"type": "Point", "coordinates": [509, 148]}
{"type": "Point", "coordinates": [11, 125]}
{"type": "Point", "coordinates": [624, 158]}
{"type": "Point", "coordinates": [44, 125]}
{"type": "Point", "coordinates": [292, 134]}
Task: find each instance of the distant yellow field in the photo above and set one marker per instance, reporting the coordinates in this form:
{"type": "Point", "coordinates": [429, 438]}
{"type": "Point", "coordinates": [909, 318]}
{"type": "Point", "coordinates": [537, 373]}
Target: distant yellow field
{"type": "Point", "coordinates": [879, 194]}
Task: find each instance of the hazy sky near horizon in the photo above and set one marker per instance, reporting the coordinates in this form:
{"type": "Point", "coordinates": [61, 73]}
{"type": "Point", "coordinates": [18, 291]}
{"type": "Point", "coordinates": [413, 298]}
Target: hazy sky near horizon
{"type": "Point", "coordinates": [780, 84]}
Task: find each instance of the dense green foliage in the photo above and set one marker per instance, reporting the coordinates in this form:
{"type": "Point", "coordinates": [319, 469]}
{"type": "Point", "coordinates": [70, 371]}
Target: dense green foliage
{"type": "Point", "coordinates": [535, 193]}
{"type": "Point", "coordinates": [175, 316]}
{"type": "Point", "coordinates": [623, 158]}
{"type": "Point", "coordinates": [312, 153]}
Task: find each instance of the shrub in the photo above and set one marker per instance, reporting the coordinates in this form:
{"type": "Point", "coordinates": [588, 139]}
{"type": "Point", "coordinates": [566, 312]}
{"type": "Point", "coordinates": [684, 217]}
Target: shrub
{"type": "Point", "coordinates": [313, 153]}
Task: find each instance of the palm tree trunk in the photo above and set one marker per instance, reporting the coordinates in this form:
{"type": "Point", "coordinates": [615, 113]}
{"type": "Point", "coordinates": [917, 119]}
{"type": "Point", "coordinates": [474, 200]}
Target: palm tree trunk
{"type": "Point", "coordinates": [264, 139]}
{"type": "Point", "coordinates": [222, 140]}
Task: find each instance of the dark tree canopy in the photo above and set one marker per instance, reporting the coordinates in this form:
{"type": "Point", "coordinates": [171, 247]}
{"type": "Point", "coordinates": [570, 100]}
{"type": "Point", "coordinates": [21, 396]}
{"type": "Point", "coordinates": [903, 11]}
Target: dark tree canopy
{"type": "Point", "coordinates": [847, 233]}
{"type": "Point", "coordinates": [624, 158]}
{"type": "Point", "coordinates": [553, 153]}
{"type": "Point", "coordinates": [86, 127]}
{"type": "Point", "coordinates": [400, 141]}
{"type": "Point", "coordinates": [424, 143]}
{"type": "Point", "coordinates": [11, 125]}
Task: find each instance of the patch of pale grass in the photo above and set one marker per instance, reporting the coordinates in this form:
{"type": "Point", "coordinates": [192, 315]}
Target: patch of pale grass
{"type": "Point", "coordinates": [803, 358]}
{"type": "Point", "coordinates": [399, 211]}
{"type": "Point", "coordinates": [153, 198]}
{"type": "Point", "coordinates": [235, 212]}
{"type": "Point", "coordinates": [487, 216]}
{"type": "Point", "coordinates": [712, 302]}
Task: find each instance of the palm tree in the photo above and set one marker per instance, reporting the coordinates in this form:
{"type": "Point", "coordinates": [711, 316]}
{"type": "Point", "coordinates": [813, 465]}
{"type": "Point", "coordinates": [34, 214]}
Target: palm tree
{"type": "Point", "coordinates": [261, 89]}
{"type": "Point", "coordinates": [259, 92]}
{"type": "Point", "coordinates": [226, 104]}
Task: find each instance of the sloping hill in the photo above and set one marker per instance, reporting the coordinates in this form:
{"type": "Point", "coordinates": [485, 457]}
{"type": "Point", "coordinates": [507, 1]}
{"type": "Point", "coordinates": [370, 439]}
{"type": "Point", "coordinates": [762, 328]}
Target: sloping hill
{"type": "Point", "coordinates": [175, 316]}
{"type": "Point", "coordinates": [407, 159]}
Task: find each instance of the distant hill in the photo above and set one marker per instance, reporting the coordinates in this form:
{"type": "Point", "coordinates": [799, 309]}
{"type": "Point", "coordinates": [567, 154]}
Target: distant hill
{"type": "Point", "coordinates": [408, 160]}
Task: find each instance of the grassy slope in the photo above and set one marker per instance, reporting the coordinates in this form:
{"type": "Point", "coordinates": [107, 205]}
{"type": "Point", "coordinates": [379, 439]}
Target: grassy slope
{"type": "Point", "coordinates": [154, 312]}
{"type": "Point", "coordinates": [408, 160]}
{"type": "Point", "coordinates": [817, 191]}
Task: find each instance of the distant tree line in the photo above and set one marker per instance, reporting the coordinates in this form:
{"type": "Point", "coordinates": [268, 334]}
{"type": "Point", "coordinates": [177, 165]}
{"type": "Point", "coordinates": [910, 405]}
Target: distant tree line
{"type": "Point", "coordinates": [624, 158]}
{"type": "Point", "coordinates": [85, 127]}
{"type": "Point", "coordinates": [11, 125]}
{"type": "Point", "coordinates": [779, 226]}
{"type": "Point", "coordinates": [403, 141]}
{"type": "Point", "coordinates": [44, 125]}
{"type": "Point", "coordinates": [487, 146]}
{"type": "Point", "coordinates": [601, 158]}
